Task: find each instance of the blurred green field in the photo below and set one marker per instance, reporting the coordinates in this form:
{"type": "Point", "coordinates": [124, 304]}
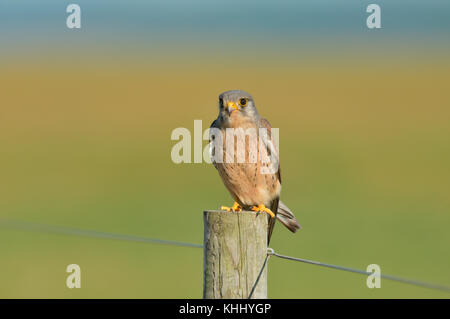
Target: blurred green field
{"type": "Point", "coordinates": [365, 153]}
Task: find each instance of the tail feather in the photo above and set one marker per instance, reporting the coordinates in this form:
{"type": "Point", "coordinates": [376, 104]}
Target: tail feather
{"type": "Point", "coordinates": [271, 221]}
{"type": "Point", "coordinates": [287, 218]}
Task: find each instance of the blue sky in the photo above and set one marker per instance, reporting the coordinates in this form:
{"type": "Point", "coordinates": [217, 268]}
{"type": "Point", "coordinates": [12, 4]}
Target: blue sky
{"type": "Point", "coordinates": [219, 24]}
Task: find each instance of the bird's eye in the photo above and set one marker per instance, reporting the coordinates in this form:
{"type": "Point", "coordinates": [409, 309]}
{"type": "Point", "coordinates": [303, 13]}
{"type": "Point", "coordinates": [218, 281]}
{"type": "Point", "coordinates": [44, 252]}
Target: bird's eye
{"type": "Point", "coordinates": [221, 103]}
{"type": "Point", "coordinates": [243, 102]}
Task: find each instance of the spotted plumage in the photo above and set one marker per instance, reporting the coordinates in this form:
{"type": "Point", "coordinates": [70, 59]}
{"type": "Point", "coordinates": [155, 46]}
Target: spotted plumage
{"type": "Point", "coordinates": [254, 179]}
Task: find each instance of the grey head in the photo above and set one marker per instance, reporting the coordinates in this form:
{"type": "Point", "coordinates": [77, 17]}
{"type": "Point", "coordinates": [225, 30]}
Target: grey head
{"type": "Point", "coordinates": [236, 104]}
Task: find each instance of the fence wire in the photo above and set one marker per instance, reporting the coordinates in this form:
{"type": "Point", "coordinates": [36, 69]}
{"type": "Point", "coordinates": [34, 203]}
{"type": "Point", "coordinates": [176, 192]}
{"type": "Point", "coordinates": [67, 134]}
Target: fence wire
{"type": "Point", "coordinates": [28, 226]}
{"type": "Point", "coordinates": [44, 228]}
{"type": "Point", "coordinates": [366, 273]}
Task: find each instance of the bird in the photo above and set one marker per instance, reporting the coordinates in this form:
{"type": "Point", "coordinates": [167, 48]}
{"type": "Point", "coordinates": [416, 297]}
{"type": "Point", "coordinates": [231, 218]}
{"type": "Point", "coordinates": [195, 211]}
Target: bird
{"type": "Point", "coordinates": [254, 183]}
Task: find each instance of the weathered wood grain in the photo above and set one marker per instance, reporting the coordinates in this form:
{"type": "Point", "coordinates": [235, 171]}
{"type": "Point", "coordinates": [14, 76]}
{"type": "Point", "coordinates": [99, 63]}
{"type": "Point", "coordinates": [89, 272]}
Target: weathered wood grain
{"type": "Point", "coordinates": [235, 246]}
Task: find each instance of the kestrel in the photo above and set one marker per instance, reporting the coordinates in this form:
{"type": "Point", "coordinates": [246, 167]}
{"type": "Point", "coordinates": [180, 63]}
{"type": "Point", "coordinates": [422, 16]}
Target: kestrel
{"type": "Point", "coordinates": [255, 182]}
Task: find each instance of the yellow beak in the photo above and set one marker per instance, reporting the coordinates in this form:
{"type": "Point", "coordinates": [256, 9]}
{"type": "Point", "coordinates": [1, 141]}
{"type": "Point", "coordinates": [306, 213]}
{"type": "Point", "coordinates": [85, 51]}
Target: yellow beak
{"type": "Point", "coordinates": [232, 107]}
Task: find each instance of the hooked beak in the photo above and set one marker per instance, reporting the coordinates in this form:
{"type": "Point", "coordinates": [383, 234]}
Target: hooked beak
{"type": "Point", "coordinates": [231, 107]}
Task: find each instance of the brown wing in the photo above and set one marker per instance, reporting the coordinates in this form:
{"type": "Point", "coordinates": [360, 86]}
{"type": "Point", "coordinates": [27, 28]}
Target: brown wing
{"type": "Point", "coordinates": [211, 145]}
{"type": "Point", "coordinates": [274, 204]}
{"type": "Point", "coordinates": [265, 123]}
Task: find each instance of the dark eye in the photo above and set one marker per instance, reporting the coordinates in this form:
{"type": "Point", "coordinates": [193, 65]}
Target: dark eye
{"type": "Point", "coordinates": [243, 102]}
{"type": "Point", "coordinates": [221, 103]}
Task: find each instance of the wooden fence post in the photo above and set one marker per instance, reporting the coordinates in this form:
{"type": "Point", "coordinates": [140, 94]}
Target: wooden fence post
{"type": "Point", "coordinates": [235, 247]}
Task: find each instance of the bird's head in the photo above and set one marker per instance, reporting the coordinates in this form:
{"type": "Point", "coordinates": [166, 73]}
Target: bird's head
{"type": "Point", "coordinates": [236, 104]}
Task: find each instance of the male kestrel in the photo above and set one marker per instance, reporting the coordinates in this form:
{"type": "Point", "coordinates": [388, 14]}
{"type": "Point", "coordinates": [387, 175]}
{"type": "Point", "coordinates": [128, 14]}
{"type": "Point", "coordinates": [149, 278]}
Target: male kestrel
{"type": "Point", "coordinates": [254, 183]}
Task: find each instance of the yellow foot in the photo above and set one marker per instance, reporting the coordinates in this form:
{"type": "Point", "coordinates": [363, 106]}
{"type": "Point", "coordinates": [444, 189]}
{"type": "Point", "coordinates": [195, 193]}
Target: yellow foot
{"type": "Point", "coordinates": [263, 208]}
{"type": "Point", "coordinates": [235, 208]}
